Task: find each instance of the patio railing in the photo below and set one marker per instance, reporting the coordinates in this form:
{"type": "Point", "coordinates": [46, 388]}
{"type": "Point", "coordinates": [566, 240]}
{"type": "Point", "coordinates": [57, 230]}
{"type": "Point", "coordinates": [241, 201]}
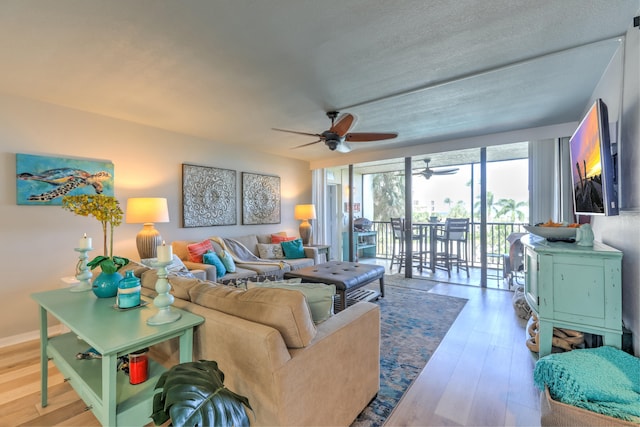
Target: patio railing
{"type": "Point", "coordinates": [497, 244]}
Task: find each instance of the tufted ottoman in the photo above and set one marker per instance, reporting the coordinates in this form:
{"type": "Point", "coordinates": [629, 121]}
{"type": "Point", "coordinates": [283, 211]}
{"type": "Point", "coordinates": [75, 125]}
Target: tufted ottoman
{"type": "Point", "coordinates": [345, 275]}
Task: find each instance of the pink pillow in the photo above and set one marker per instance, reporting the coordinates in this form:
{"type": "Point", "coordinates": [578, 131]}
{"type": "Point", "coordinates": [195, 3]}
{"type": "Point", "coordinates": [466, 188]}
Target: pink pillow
{"type": "Point", "coordinates": [278, 238]}
{"type": "Point", "coordinates": [196, 250]}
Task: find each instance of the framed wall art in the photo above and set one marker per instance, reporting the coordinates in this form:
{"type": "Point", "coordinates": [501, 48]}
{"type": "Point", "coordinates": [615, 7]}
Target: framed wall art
{"type": "Point", "coordinates": [44, 180]}
{"type": "Point", "coordinates": [260, 199]}
{"type": "Point", "coordinates": [208, 196]}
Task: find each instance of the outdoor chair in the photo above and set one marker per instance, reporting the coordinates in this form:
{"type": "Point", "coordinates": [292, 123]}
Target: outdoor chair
{"type": "Point", "coordinates": [398, 247]}
{"type": "Point", "coordinates": [452, 245]}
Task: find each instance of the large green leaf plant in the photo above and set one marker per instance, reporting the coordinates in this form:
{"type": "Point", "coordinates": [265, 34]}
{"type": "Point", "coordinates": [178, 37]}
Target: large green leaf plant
{"type": "Point", "coordinates": [193, 394]}
{"type": "Point", "coordinates": [105, 209]}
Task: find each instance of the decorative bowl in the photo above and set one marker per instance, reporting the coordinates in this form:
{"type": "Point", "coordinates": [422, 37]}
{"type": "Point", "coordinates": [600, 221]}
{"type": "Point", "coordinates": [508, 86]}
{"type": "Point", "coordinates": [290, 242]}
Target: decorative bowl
{"type": "Point", "coordinates": [552, 232]}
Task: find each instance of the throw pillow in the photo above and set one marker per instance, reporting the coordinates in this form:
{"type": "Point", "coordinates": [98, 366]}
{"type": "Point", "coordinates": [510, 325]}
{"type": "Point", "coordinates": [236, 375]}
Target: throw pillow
{"type": "Point", "coordinates": [318, 295]}
{"type": "Point", "coordinates": [270, 250]}
{"type": "Point", "coordinates": [213, 259]}
{"type": "Point", "coordinates": [176, 267]}
{"type": "Point", "coordinates": [278, 238]}
{"type": "Point", "coordinates": [293, 249]}
{"type": "Point", "coordinates": [196, 250]}
{"type": "Point", "coordinates": [228, 261]}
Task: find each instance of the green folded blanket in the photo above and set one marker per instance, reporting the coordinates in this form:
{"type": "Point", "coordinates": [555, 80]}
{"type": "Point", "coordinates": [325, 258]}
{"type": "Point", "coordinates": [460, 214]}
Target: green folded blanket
{"type": "Point", "coordinates": [603, 380]}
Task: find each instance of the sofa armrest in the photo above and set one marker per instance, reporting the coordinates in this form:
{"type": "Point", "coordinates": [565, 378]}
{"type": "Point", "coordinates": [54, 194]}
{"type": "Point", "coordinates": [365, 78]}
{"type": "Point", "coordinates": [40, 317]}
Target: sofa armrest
{"type": "Point", "coordinates": [310, 252]}
{"type": "Point", "coordinates": [210, 272]}
{"type": "Point", "coordinates": [199, 274]}
{"type": "Point", "coordinates": [348, 346]}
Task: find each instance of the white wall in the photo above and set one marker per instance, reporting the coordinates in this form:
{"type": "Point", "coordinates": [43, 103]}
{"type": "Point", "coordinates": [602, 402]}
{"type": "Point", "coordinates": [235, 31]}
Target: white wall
{"type": "Point", "coordinates": [619, 89]}
{"type": "Point", "coordinates": [37, 242]}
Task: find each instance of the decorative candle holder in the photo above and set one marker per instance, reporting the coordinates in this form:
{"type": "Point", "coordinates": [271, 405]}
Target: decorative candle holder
{"type": "Point", "coordinates": [83, 274]}
{"type": "Point", "coordinates": [164, 299]}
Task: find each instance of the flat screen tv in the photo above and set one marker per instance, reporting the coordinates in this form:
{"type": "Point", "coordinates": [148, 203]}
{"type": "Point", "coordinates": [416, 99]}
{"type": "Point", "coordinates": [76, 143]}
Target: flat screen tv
{"type": "Point", "coordinates": [593, 168]}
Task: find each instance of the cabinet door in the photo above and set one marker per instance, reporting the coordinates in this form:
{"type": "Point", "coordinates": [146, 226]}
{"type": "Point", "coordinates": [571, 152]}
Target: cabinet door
{"type": "Point", "coordinates": [579, 289]}
{"type": "Point", "coordinates": [531, 277]}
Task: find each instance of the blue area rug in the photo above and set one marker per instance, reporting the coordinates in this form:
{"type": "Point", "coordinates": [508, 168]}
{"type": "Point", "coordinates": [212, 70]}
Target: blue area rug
{"type": "Point", "coordinates": [413, 323]}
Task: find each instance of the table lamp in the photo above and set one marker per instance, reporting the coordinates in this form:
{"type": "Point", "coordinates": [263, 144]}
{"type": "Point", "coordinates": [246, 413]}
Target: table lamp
{"type": "Point", "coordinates": [305, 213]}
{"type": "Point", "coordinates": [147, 210]}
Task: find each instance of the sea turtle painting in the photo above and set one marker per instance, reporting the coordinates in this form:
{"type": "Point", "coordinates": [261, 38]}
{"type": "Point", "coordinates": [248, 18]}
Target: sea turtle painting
{"type": "Point", "coordinates": [64, 180]}
{"type": "Point", "coordinates": [41, 182]}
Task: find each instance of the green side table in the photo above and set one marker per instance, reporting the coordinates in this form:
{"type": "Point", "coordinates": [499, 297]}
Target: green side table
{"type": "Point", "coordinates": [94, 322]}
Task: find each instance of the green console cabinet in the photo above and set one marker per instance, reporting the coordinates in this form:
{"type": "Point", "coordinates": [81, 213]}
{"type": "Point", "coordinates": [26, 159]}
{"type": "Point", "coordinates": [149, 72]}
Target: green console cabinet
{"type": "Point", "coordinates": [573, 287]}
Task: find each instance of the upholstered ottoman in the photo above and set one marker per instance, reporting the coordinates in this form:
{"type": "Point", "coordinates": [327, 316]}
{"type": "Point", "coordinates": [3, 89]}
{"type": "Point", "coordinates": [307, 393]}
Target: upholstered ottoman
{"type": "Point", "coordinates": [346, 276]}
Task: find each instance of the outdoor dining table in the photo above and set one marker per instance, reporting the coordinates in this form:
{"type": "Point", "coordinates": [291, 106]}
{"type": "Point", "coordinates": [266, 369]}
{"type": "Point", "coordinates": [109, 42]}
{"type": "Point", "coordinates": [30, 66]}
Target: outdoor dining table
{"type": "Point", "coordinates": [428, 232]}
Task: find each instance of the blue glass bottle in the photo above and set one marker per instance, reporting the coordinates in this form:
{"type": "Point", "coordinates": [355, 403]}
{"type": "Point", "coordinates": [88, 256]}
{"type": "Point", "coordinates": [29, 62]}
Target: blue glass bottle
{"type": "Point", "coordinates": [129, 291]}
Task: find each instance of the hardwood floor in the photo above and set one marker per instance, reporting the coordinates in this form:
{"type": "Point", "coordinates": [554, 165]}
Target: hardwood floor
{"type": "Point", "coordinates": [482, 372]}
{"type": "Point", "coordinates": [480, 375]}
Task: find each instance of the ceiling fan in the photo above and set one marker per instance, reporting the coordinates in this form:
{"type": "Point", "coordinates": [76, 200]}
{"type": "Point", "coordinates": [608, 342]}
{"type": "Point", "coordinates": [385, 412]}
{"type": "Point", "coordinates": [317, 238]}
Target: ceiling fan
{"type": "Point", "coordinates": [338, 135]}
{"type": "Point", "coordinates": [428, 172]}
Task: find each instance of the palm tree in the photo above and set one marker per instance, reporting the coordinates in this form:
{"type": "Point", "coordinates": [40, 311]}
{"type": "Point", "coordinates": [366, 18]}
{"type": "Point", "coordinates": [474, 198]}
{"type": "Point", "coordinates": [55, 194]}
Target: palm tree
{"type": "Point", "coordinates": [511, 209]}
{"type": "Point", "coordinates": [448, 202]}
{"type": "Point", "coordinates": [491, 209]}
{"type": "Point", "coordinates": [388, 196]}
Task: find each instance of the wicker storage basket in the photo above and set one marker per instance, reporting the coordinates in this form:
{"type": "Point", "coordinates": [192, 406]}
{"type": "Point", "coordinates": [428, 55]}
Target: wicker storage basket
{"type": "Point", "coordinates": [554, 413]}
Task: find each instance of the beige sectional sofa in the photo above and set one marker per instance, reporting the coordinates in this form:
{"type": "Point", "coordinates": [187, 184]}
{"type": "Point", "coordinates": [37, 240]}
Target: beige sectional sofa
{"type": "Point", "coordinates": [273, 268]}
{"type": "Point", "coordinates": [294, 372]}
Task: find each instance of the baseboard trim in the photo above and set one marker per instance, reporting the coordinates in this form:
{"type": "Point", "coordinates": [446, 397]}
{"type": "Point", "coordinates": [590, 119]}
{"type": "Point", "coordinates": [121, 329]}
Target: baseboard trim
{"type": "Point", "coordinates": [30, 336]}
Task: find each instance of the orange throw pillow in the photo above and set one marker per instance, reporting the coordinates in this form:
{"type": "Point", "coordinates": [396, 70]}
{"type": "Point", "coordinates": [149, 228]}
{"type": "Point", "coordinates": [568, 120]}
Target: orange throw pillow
{"type": "Point", "coordinates": [196, 250]}
{"type": "Point", "coordinates": [278, 238]}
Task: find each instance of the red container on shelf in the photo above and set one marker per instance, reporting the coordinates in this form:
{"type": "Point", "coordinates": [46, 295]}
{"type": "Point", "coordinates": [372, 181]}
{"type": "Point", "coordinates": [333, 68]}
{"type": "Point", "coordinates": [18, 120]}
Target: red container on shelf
{"type": "Point", "coordinates": [138, 366]}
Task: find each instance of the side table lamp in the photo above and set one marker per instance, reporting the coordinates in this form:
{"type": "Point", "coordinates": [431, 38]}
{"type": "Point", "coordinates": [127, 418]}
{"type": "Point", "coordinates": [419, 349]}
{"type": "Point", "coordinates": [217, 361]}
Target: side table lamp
{"type": "Point", "coordinates": [305, 213]}
{"type": "Point", "coordinates": [147, 210]}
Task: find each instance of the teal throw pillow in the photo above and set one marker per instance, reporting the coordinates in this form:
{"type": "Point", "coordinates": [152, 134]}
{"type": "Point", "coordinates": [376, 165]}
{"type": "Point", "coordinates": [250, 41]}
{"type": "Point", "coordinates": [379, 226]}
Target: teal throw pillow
{"type": "Point", "coordinates": [213, 259]}
{"type": "Point", "coordinates": [318, 295]}
{"type": "Point", "coordinates": [227, 260]}
{"type": "Point", "coordinates": [293, 249]}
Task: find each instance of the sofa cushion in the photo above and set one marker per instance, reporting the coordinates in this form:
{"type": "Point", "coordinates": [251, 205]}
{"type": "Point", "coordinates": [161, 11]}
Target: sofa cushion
{"type": "Point", "coordinates": [250, 242]}
{"type": "Point", "coordinates": [293, 249]}
{"type": "Point", "coordinates": [228, 261]}
{"type": "Point", "coordinates": [180, 285]}
{"type": "Point", "coordinates": [213, 259]}
{"type": "Point", "coordinates": [318, 295]}
{"type": "Point", "coordinates": [282, 309]}
{"type": "Point", "coordinates": [299, 263]}
{"type": "Point", "coordinates": [279, 238]}
{"type": "Point", "coordinates": [270, 250]}
{"type": "Point", "coordinates": [137, 268]}
{"type": "Point", "coordinates": [196, 250]}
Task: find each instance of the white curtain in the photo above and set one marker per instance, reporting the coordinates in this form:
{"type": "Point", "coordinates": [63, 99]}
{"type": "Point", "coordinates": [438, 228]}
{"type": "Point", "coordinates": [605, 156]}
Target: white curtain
{"type": "Point", "coordinates": [318, 198]}
{"type": "Point", "coordinates": [550, 195]}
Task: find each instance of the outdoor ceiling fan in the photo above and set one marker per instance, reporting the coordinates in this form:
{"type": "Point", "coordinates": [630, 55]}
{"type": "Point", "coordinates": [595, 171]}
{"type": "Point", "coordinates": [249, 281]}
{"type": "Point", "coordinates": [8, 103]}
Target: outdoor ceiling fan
{"type": "Point", "coordinates": [428, 172]}
{"type": "Point", "coordinates": [338, 135]}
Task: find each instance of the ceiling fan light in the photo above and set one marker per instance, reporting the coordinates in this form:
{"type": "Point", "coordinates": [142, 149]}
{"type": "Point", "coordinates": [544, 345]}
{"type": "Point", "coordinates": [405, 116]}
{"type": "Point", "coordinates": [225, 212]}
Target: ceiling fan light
{"type": "Point", "coordinates": [343, 147]}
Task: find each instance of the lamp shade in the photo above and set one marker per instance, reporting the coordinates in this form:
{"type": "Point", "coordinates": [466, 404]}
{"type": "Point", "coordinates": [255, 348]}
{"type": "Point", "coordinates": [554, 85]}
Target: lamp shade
{"type": "Point", "coordinates": [304, 212]}
{"type": "Point", "coordinates": [141, 210]}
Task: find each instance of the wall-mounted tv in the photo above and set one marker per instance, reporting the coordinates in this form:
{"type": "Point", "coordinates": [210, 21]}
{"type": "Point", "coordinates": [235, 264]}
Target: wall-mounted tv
{"type": "Point", "coordinates": [593, 168]}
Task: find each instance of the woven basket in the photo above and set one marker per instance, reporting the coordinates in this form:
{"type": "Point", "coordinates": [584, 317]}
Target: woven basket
{"type": "Point", "coordinates": [554, 413]}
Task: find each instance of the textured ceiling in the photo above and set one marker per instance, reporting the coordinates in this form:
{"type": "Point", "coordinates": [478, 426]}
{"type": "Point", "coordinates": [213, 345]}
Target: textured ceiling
{"type": "Point", "coordinates": [229, 71]}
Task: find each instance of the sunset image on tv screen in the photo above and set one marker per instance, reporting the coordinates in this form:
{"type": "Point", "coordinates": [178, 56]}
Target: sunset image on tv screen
{"type": "Point", "coordinates": [587, 165]}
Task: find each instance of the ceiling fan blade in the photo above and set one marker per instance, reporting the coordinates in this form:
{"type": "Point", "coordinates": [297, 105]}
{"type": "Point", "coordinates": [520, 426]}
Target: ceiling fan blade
{"type": "Point", "coordinates": [368, 136]}
{"type": "Point", "coordinates": [342, 126]}
{"type": "Point", "coordinates": [445, 171]}
{"type": "Point", "coordinates": [304, 145]}
{"type": "Point", "coordinates": [298, 133]}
